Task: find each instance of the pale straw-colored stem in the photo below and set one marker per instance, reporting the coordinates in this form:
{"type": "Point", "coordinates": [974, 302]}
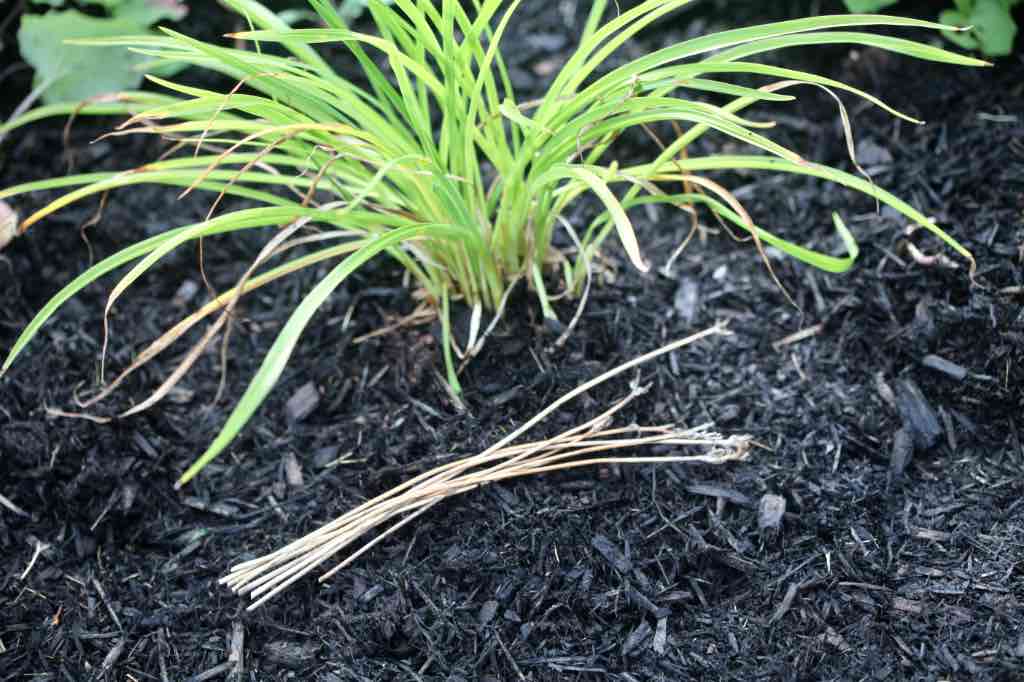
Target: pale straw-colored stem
{"type": "Point", "coordinates": [267, 576]}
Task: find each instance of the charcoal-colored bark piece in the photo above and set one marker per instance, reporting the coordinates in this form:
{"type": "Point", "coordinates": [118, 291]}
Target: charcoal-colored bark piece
{"type": "Point", "coordinates": [302, 403]}
{"type": "Point", "coordinates": [722, 531]}
{"type": "Point", "coordinates": [885, 391]}
{"type": "Point", "coordinates": [686, 299]}
{"type": "Point", "coordinates": [721, 492]}
{"type": "Point", "coordinates": [8, 224]}
{"type": "Point", "coordinates": [637, 637]}
{"type": "Point", "coordinates": [870, 153]}
{"type": "Point", "coordinates": [236, 650]}
{"type": "Point", "coordinates": [219, 508]}
{"type": "Point", "coordinates": [918, 414]}
{"type": "Point", "coordinates": [922, 328]}
{"type": "Point", "coordinates": [85, 544]}
{"type": "Point", "coordinates": [786, 603]}
{"type": "Point", "coordinates": [737, 561]}
{"type": "Point", "coordinates": [325, 456]}
{"type": "Point", "coordinates": [129, 493]}
{"type": "Point", "coordinates": [770, 511]}
{"type": "Point", "coordinates": [902, 451]}
{"type": "Point", "coordinates": [213, 673]}
{"type": "Point", "coordinates": [611, 553]}
{"type": "Point", "coordinates": [110, 660]}
{"type": "Point", "coordinates": [695, 541]}
{"type": "Point", "coordinates": [836, 639]}
{"type": "Point", "coordinates": [290, 654]}
{"type": "Point", "coordinates": [370, 594]}
{"type": "Point", "coordinates": [640, 600]}
{"type": "Point", "coordinates": [13, 508]}
{"type": "Point", "coordinates": [185, 293]}
{"type": "Point", "coordinates": [292, 470]}
{"type": "Point", "coordinates": [660, 636]}
{"type": "Point", "coordinates": [930, 534]}
{"type": "Point", "coordinates": [904, 605]}
{"type": "Point", "coordinates": [487, 612]}
{"type": "Point", "coordinates": [145, 445]}
{"type": "Point", "coordinates": [940, 364]}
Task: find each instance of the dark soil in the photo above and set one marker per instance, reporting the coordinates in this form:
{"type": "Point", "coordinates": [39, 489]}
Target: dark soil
{"type": "Point", "coordinates": [893, 427]}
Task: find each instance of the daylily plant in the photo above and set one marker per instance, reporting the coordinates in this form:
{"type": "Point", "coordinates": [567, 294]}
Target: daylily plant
{"type": "Point", "coordinates": [434, 161]}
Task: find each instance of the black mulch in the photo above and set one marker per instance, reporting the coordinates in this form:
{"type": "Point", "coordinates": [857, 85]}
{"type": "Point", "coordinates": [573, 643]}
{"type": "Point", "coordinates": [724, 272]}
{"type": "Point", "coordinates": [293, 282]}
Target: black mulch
{"type": "Point", "coordinates": [889, 405]}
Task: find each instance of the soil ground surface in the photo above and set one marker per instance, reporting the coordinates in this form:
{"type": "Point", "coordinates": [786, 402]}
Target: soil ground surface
{"type": "Point", "coordinates": [888, 400]}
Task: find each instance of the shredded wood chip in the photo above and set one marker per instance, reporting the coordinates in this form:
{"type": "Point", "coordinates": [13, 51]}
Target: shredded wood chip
{"type": "Point", "coordinates": [8, 224]}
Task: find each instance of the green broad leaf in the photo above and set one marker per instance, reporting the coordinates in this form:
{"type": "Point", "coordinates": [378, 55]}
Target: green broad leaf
{"type": "Point", "coordinates": [867, 6]}
{"type": "Point", "coordinates": [145, 13]}
{"type": "Point", "coordinates": [71, 73]}
{"type": "Point", "coordinates": [964, 39]}
{"type": "Point", "coordinates": [994, 27]}
{"type": "Point", "coordinates": [108, 5]}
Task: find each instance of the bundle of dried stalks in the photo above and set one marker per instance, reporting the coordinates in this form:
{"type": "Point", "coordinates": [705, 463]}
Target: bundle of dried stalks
{"type": "Point", "coordinates": [266, 576]}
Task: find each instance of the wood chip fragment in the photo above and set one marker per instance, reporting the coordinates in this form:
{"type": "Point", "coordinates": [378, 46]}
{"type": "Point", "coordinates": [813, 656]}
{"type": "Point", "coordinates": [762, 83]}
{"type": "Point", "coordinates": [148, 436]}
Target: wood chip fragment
{"type": "Point", "coordinates": [213, 673]}
{"type": "Point", "coordinates": [940, 364]}
{"type": "Point", "coordinates": [292, 470]}
{"type": "Point", "coordinates": [902, 451]}
{"type": "Point", "coordinates": [8, 224]}
{"type": "Point", "coordinates": [487, 613]}
{"type": "Point", "coordinates": [13, 507]}
{"type": "Point", "coordinates": [798, 336]}
{"type": "Point", "coordinates": [904, 605]}
{"type": "Point", "coordinates": [110, 660]}
{"type": "Point", "coordinates": [929, 534]}
{"type": "Point", "coordinates": [836, 640]}
{"type": "Point", "coordinates": [660, 637]}
{"type": "Point", "coordinates": [786, 603]}
{"type": "Point", "coordinates": [711, 490]}
{"type": "Point", "coordinates": [219, 508]}
{"type": "Point", "coordinates": [187, 290]}
{"type": "Point", "coordinates": [686, 299]}
{"type": "Point", "coordinates": [640, 600]}
{"type": "Point", "coordinates": [637, 637]}
{"type": "Point", "coordinates": [302, 403]}
{"type": "Point", "coordinates": [291, 654]}
{"type": "Point", "coordinates": [770, 512]}
{"type": "Point", "coordinates": [917, 413]}
{"type": "Point", "coordinates": [611, 553]}
{"type": "Point", "coordinates": [236, 649]}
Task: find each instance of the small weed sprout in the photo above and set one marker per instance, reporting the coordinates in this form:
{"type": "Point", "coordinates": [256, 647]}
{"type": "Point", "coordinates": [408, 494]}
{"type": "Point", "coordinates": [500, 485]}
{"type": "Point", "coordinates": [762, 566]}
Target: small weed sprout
{"type": "Point", "coordinates": [434, 161]}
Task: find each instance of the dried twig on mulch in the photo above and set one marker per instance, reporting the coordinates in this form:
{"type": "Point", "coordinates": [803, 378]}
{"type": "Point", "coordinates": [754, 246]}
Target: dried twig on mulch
{"type": "Point", "coordinates": [582, 445]}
